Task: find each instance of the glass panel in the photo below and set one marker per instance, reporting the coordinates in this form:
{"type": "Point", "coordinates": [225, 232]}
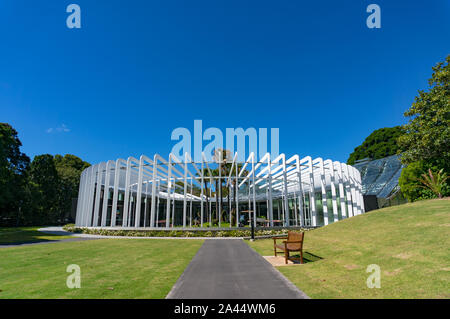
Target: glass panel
{"type": "Point", "coordinates": [380, 177]}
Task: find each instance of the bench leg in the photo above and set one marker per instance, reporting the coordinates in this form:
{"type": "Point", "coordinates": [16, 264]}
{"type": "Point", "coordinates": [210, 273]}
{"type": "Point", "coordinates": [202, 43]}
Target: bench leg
{"type": "Point", "coordinates": [301, 256]}
{"type": "Point", "coordinates": [275, 250]}
{"type": "Point", "coordinates": [286, 256]}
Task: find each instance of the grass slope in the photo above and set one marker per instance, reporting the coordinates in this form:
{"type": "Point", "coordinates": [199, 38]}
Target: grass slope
{"type": "Point", "coordinates": [409, 242]}
{"type": "Point", "coordinates": [110, 268]}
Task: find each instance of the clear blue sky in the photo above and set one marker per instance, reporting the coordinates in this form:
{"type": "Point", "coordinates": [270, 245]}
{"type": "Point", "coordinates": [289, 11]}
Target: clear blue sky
{"type": "Point", "coordinates": [136, 70]}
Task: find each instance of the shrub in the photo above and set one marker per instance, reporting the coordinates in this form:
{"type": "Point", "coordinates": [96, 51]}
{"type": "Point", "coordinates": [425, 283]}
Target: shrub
{"type": "Point", "coordinates": [175, 233]}
{"type": "Point", "coordinates": [72, 228]}
{"type": "Point", "coordinates": [411, 186]}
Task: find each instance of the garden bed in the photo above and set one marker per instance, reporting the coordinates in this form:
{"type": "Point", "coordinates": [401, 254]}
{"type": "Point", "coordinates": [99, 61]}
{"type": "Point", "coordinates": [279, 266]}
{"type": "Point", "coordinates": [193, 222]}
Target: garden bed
{"type": "Point", "coordinates": [204, 232]}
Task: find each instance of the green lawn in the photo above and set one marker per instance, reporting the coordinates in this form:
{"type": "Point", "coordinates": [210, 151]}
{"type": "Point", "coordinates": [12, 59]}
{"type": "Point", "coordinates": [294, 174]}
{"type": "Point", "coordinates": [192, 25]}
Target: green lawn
{"type": "Point", "coordinates": [9, 235]}
{"type": "Point", "coordinates": [110, 268]}
{"type": "Point", "coordinates": [410, 243]}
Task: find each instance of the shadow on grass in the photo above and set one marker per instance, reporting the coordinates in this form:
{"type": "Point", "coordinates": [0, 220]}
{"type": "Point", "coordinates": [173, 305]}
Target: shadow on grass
{"type": "Point", "coordinates": [307, 257]}
{"type": "Point", "coordinates": [17, 237]}
{"type": "Point", "coordinates": [28, 241]}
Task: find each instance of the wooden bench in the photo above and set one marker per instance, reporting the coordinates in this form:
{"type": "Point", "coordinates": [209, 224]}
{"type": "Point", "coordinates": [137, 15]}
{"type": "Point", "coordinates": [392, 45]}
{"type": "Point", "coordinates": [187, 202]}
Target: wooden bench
{"type": "Point", "coordinates": [293, 242]}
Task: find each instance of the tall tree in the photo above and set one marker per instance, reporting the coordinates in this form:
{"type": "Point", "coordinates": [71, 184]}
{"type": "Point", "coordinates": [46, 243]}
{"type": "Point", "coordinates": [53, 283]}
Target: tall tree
{"type": "Point", "coordinates": [234, 186]}
{"type": "Point", "coordinates": [69, 168]}
{"type": "Point", "coordinates": [222, 157]}
{"type": "Point", "coordinates": [427, 134]}
{"type": "Point", "coordinates": [45, 182]}
{"type": "Point", "coordinates": [205, 174]}
{"type": "Point", "coordinates": [380, 143]}
{"type": "Point", "coordinates": [13, 168]}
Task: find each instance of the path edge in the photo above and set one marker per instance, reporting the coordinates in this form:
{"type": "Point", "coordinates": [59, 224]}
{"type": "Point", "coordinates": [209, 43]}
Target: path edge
{"type": "Point", "coordinates": [282, 277]}
{"type": "Point", "coordinates": [180, 279]}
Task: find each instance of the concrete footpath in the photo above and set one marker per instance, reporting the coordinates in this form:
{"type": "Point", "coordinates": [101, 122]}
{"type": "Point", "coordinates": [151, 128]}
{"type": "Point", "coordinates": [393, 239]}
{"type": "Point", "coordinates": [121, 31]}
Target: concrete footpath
{"type": "Point", "coordinates": [230, 269]}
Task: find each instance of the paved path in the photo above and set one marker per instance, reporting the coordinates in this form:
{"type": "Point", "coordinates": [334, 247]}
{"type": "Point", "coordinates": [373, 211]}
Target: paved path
{"type": "Point", "coordinates": [230, 269]}
{"type": "Point", "coordinates": [55, 230]}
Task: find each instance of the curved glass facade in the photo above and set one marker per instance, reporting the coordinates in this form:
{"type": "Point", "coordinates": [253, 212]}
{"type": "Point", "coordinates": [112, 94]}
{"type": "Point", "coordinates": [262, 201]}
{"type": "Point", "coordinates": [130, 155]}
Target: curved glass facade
{"type": "Point", "coordinates": [170, 193]}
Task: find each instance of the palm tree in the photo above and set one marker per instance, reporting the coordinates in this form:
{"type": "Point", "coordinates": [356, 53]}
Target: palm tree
{"type": "Point", "coordinates": [434, 181]}
{"type": "Point", "coordinates": [222, 157]}
{"type": "Point", "coordinates": [236, 182]}
{"type": "Point", "coordinates": [205, 173]}
{"type": "Point", "coordinates": [215, 173]}
{"type": "Point", "coordinates": [233, 184]}
{"type": "Point", "coordinates": [226, 169]}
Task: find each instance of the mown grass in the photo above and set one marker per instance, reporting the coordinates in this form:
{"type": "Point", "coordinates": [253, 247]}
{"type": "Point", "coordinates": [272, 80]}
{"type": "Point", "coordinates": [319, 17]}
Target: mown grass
{"type": "Point", "coordinates": [110, 268]}
{"type": "Point", "coordinates": [410, 243]}
{"type": "Point", "coordinates": [18, 235]}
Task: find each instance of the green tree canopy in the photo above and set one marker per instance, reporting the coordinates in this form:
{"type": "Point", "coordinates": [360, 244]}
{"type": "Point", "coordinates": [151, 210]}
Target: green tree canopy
{"type": "Point", "coordinates": [37, 193]}
{"type": "Point", "coordinates": [13, 168]}
{"type": "Point", "coordinates": [54, 181]}
{"type": "Point", "coordinates": [381, 143]}
{"type": "Point", "coordinates": [44, 182]}
{"type": "Point", "coordinates": [427, 134]}
{"type": "Point", "coordinates": [69, 168]}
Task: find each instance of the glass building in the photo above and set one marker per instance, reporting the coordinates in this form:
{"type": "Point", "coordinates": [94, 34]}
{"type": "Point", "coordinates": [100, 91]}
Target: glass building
{"type": "Point", "coordinates": [380, 177]}
{"type": "Point", "coordinates": [179, 193]}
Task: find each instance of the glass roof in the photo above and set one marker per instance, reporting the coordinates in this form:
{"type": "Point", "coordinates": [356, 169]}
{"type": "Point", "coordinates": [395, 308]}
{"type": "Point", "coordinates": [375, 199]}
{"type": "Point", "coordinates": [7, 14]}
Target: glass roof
{"type": "Point", "coordinates": [380, 177]}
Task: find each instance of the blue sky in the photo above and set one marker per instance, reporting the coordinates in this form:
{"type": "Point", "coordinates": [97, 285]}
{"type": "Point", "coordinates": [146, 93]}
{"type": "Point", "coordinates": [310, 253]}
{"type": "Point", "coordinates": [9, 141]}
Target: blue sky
{"type": "Point", "coordinates": [136, 70]}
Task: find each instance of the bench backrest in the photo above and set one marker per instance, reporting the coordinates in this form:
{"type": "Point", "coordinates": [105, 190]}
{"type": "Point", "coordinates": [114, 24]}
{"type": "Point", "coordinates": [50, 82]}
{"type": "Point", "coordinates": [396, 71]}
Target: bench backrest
{"type": "Point", "coordinates": [295, 236]}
